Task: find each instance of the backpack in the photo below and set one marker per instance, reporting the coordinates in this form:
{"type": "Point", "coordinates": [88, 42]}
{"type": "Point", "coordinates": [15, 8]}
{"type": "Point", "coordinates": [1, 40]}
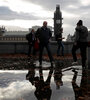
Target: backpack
{"type": "Point", "coordinates": [28, 37]}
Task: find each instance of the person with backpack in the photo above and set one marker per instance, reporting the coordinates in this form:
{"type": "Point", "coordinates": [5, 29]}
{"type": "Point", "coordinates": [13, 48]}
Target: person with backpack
{"type": "Point", "coordinates": [31, 41]}
{"type": "Point", "coordinates": [81, 34]}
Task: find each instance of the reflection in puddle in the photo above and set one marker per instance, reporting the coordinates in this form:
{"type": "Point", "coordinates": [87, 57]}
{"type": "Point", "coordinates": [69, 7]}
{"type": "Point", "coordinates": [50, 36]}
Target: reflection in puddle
{"type": "Point", "coordinates": [39, 84]}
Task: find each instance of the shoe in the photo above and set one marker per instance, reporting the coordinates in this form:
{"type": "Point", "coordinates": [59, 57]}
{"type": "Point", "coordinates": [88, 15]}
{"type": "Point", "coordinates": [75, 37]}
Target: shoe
{"type": "Point", "coordinates": [74, 63]}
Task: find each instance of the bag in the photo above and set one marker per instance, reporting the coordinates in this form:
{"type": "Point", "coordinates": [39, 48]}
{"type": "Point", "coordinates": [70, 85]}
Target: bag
{"type": "Point", "coordinates": [28, 37]}
{"type": "Point", "coordinates": [36, 45]}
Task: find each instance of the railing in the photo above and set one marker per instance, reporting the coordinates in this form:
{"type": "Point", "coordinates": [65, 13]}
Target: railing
{"type": "Point", "coordinates": [12, 38]}
{"type": "Point", "coordinates": [19, 46]}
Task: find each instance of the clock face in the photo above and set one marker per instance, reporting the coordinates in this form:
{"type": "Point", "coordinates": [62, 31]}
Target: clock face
{"type": "Point", "coordinates": [58, 21]}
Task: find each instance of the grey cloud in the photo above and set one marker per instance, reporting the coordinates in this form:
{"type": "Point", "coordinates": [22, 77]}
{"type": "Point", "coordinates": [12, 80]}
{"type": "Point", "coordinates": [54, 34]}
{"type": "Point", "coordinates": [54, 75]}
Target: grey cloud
{"type": "Point", "coordinates": [46, 4]}
{"type": "Point", "coordinates": [7, 14]}
{"type": "Point", "coordinates": [15, 87]}
{"type": "Point", "coordinates": [51, 4]}
{"type": "Point", "coordinates": [79, 10]}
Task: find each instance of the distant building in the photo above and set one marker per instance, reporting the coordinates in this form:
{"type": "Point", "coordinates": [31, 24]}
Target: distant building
{"type": "Point", "coordinates": [35, 27]}
{"type": "Point", "coordinates": [10, 33]}
{"type": "Point", "coordinates": [14, 36]}
{"type": "Point", "coordinates": [2, 30]}
{"type": "Point", "coordinates": [69, 38]}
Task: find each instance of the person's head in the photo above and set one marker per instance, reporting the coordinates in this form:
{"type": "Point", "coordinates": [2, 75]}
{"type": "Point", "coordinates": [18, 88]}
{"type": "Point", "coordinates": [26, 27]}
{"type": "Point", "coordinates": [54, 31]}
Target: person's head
{"type": "Point", "coordinates": [80, 23]}
{"type": "Point", "coordinates": [33, 30]}
{"type": "Point", "coordinates": [45, 24]}
{"type": "Point", "coordinates": [58, 84]}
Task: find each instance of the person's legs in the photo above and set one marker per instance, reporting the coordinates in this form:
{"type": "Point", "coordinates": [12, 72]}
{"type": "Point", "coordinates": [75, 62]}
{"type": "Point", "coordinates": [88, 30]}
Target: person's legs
{"type": "Point", "coordinates": [41, 47]}
{"type": "Point", "coordinates": [34, 51]}
{"type": "Point", "coordinates": [74, 48]}
{"type": "Point", "coordinates": [83, 48]}
{"type": "Point", "coordinates": [29, 51]}
{"type": "Point", "coordinates": [58, 49]}
{"type": "Point", "coordinates": [49, 53]}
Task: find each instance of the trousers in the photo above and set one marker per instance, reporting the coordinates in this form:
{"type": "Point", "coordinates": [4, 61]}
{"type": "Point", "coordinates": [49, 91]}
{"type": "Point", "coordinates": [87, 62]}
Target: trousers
{"type": "Point", "coordinates": [83, 47]}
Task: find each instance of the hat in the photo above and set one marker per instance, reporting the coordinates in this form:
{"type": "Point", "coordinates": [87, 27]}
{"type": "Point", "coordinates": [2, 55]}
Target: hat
{"type": "Point", "coordinates": [80, 22]}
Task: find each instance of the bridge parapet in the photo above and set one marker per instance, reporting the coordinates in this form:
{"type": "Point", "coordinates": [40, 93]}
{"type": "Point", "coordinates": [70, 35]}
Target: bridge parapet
{"type": "Point", "coordinates": [7, 47]}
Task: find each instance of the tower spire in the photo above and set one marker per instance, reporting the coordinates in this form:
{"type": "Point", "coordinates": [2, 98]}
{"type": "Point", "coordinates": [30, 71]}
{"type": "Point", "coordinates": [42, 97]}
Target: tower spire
{"type": "Point", "coordinates": [57, 20]}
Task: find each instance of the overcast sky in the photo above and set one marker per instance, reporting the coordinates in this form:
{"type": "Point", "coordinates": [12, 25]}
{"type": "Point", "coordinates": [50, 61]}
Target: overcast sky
{"type": "Point", "coordinates": [27, 13]}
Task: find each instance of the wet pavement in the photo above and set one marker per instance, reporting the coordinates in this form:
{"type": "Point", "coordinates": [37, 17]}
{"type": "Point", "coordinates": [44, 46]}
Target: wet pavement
{"type": "Point", "coordinates": [46, 83]}
{"type": "Point", "coordinates": [22, 62]}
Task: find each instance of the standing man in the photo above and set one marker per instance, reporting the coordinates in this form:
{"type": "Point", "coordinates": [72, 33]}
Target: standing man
{"type": "Point", "coordinates": [44, 34]}
{"type": "Point", "coordinates": [81, 35]}
{"type": "Point", "coordinates": [60, 43]}
{"type": "Point", "coordinates": [31, 40]}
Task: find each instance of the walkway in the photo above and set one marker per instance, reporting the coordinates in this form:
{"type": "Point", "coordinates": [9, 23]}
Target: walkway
{"type": "Point", "coordinates": [22, 79]}
{"type": "Point", "coordinates": [70, 83]}
{"type": "Point", "coordinates": [21, 61]}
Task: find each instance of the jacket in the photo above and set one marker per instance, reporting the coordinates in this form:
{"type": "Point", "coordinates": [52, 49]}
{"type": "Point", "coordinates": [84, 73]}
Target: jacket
{"type": "Point", "coordinates": [43, 34]}
{"type": "Point", "coordinates": [30, 37]}
{"type": "Point", "coordinates": [81, 34]}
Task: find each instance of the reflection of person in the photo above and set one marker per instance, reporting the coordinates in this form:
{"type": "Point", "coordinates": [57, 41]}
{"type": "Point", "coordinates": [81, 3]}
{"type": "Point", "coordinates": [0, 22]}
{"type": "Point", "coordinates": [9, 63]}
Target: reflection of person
{"type": "Point", "coordinates": [58, 78]}
{"type": "Point", "coordinates": [81, 35]}
{"type": "Point", "coordinates": [44, 34]}
{"type": "Point", "coordinates": [31, 40]}
{"type": "Point", "coordinates": [60, 43]}
{"type": "Point", "coordinates": [81, 91]}
{"type": "Point", "coordinates": [30, 75]}
{"type": "Point", "coordinates": [43, 90]}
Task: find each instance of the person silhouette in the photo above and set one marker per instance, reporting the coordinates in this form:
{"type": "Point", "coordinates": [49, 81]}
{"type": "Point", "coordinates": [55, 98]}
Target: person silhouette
{"type": "Point", "coordinates": [43, 90]}
{"type": "Point", "coordinates": [80, 42]}
{"type": "Point", "coordinates": [30, 75]}
{"type": "Point", "coordinates": [59, 39]}
{"type": "Point", "coordinates": [31, 40]}
{"type": "Point", "coordinates": [44, 35]}
{"type": "Point", "coordinates": [81, 91]}
{"type": "Point", "coordinates": [58, 77]}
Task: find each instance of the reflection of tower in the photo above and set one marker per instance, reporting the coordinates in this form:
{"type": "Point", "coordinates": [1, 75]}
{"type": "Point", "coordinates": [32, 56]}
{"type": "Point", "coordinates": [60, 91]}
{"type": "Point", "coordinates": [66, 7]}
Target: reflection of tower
{"type": "Point", "coordinates": [57, 21]}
